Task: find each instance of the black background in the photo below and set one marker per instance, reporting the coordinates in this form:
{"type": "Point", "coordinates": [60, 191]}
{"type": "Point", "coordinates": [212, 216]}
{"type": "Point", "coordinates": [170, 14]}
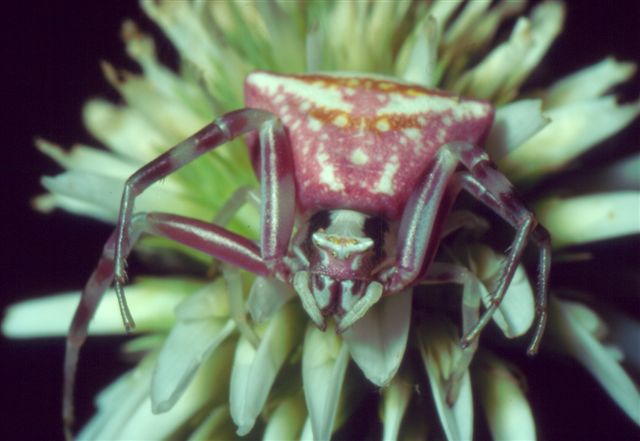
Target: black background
{"type": "Point", "coordinates": [51, 52]}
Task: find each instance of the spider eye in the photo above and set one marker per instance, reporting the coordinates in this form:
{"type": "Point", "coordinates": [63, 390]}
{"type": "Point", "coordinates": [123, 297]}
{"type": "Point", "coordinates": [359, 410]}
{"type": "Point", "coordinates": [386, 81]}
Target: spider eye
{"type": "Point", "coordinates": [339, 246]}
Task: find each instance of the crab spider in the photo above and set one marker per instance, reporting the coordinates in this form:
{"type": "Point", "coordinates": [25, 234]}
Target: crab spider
{"type": "Point", "coordinates": [364, 167]}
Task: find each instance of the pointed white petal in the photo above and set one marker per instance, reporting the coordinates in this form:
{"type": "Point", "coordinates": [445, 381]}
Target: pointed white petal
{"type": "Point", "coordinates": [210, 301]}
{"type": "Point", "coordinates": [547, 19]}
{"type": "Point", "coordinates": [287, 421]}
{"type": "Point", "coordinates": [89, 160]}
{"type": "Point", "coordinates": [186, 347]}
{"type": "Point", "coordinates": [590, 82]}
{"type": "Point", "coordinates": [118, 402]}
{"type": "Point", "coordinates": [568, 327]}
{"type": "Point", "coordinates": [192, 339]}
{"type": "Point", "coordinates": [502, 72]}
{"type": "Point", "coordinates": [125, 407]}
{"type": "Point", "coordinates": [421, 52]}
{"type": "Point", "coordinates": [189, 31]}
{"type": "Point", "coordinates": [517, 310]}
{"type": "Point", "coordinates": [266, 297]}
{"type": "Point", "coordinates": [173, 119]}
{"type": "Point", "coordinates": [255, 369]}
{"type": "Point", "coordinates": [378, 340]}
{"type": "Point", "coordinates": [217, 425]}
{"type": "Point", "coordinates": [324, 364]}
{"type": "Point", "coordinates": [590, 218]}
{"type": "Point", "coordinates": [514, 123]}
{"type": "Point", "coordinates": [151, 301]}
{"type": "Point", "coordinates": [505, 405]}
{"type": "Point", "coordinates": [574, 129]}
{"type": "Point", "coordinates": [99, 196]}
{"type": "Point", "coordinates": [395, 399]}
{"type": "Point", "coordinates": [441, 354]}
{"type": "Point", "coordinates": [124, 130]}
{"type": "Point", "coordinates": [96, 196]}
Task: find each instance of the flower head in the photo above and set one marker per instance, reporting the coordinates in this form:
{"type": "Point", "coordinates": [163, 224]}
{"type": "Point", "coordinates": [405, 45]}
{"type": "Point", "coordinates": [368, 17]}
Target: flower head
{"type": "Point", "coordinates": [229, 352]}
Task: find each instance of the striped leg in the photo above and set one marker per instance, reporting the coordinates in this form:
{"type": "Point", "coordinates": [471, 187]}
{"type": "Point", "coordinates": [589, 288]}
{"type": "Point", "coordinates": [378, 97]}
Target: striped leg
{"type": "Point", "coordinates": [424, 214]}
{"type": "Point", "coordinates": [277, 217]}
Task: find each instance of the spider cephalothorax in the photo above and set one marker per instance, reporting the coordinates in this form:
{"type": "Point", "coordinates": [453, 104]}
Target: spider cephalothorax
{"type": "Point", "coordinates": [371, 165]}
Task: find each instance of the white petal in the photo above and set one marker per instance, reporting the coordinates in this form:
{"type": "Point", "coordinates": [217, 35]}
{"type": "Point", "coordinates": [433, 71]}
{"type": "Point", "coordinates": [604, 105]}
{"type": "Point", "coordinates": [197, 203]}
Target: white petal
{"type": "Point", "coordinates": [474, 28]}
{"type": "Point", "coordinates": [547, 19]}
{"type": "Point", "coordinates": [440, 350]}
{"type": "Point", "coordinates": [590, 218]}
{"type": "Point", "coordinates": [589, 82]}
{"type": "Point", "coordinates": [394, 404]}
{"type": "Point", "coordinates": [517, 310]}
{"type": "Point", "coordinates": [216, 425]}
{"type": "Point", "coordinates": [167, 83]}
{"type": "Point", "coordinates": [324, 364]}
{"type": "Point", "coordinates": [286, 422]}
{"type": "Point", "coordinates": [96, 196]}
{"type": "Point", "coordinates": [210, 301]}
{"type": "Point", "coordinates": [118, 402]}
{"type": "Point", "coordinates": [574, 129]}
{"type": "Point", "coordinates": [378, 340]}
{"type": "Point", "coordinates": [151, 301]}
{"type": "Point", "coordinates": [506, 407]}
{"type": "Point", "coordinates": [173, 119]}
{"type": "Point", "coordinates": [89, 160]}
{"type": "Point", "coordinates": [255, 369]}
{"type": "Point", "coordinates": [266, 297]}
{"type": "Point", "coordinates": [191, 340]}
{"type": "Point", "coordinates": [501, 73]}
{"type": "Point", "coordinates": [99, 196]}
{"type": "Point", "coordinates": [421, 49]}
{"type": "Point", "coordinates": [587, 349]}
{"type": "Point", "coordinates": [189, 31]}
{"type": "Point", "coordinates": [186, 347]}
{"type": "Point", "coordinates": [514, 123]}
{"type": "Point", "coordinates": [125, 130]}
{"type": "Point", "coordinates": [127, 415]}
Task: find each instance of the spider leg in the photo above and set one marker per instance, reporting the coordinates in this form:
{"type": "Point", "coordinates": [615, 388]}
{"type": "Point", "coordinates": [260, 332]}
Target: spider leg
{"type": "Point", "coordinates": [424, 214]}
{"type": "Point", "coordinates": [503, 201]}
{"type": "Point", "coordinates": [277, 187]}
{"type": "Point", "coordinates": [422, 222]}
{"type": "Point", "coordinates": [277, 208]}
{"type": "Point", "coordinates": [208, 238]}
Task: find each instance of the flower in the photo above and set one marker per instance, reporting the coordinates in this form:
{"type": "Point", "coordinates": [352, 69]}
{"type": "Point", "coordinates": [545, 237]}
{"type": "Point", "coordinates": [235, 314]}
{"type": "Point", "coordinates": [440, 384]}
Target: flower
{"type": "Point", "coordinates": [287, 379]}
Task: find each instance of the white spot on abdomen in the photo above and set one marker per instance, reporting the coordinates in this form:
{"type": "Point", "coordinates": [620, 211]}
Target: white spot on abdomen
{"type": "Point", "coordinates": [359, 157]}
{"type": "Point", "coordinates": [385, 184]}
{"type": "Point", "coordinates": [327, 172]}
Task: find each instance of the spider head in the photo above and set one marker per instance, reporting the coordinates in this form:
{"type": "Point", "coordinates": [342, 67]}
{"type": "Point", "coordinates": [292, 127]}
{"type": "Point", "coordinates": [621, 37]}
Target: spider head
{"type": "Point", "coordinates": [344, 249]}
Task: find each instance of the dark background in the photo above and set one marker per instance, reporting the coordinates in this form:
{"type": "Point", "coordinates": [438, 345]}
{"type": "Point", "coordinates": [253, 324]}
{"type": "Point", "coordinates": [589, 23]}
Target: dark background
{"type": "Point", "coordinates": [51, 52]}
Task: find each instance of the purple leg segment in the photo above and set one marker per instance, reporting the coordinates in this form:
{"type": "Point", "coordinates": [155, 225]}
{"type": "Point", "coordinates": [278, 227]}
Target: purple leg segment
{"type": "Point", "coordinates": [418, 236]}
{"type": "Point", "coordinates": [277, 217]}
{"type": "Point", "coordinates": [277, 175]}
{"type": "Point", "coordinates": [507, 206]}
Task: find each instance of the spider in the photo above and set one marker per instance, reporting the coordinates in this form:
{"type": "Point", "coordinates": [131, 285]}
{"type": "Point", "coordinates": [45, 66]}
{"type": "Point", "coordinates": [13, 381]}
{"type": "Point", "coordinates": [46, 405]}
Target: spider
{"type": "Point", "coordinates": [365, 168]}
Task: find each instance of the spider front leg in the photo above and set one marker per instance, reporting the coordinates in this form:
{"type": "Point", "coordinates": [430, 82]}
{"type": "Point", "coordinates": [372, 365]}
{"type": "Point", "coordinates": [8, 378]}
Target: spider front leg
{"type": "Point", "coordinates": [422, 219]}
{"type": "Point", "coordinates": [277, 217]}
{"type": "Point", "coordinates": [278, 187]}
